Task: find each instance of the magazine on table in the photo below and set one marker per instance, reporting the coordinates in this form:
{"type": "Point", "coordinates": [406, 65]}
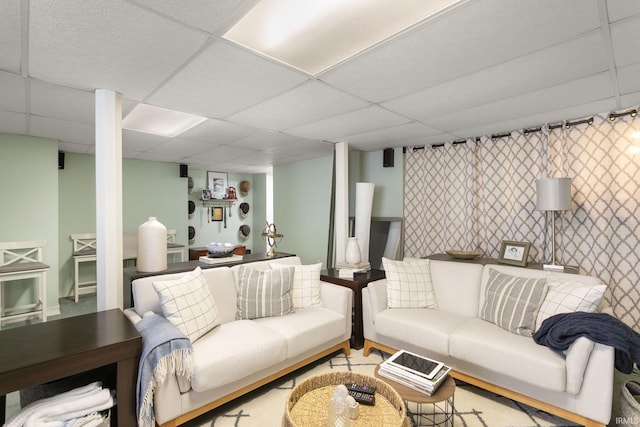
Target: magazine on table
{"type": "Point", "coordinates": [414, 371]}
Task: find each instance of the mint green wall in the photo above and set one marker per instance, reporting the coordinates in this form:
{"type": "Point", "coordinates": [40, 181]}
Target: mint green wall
{"type": "Point", "coordinates": [29, 195]}
{"type": "Point", "coordinates": [214, 231]}
{"type": "Point", "coordinates": [302, 204]}
{"type": "Point", "coordinates": [389, 182]}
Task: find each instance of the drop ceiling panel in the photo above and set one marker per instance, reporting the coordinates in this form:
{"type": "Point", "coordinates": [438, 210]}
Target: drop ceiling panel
{"type": "Point", "coordinates": [62, 102]}
{"type": "Point", "coordinates": [558, 64]}
{"type": "Point", "coordinates": [628, 80]}
{"type": "Point", "coordinates": [224, 153]}
{"type": "Point", "coordinates": [563, 96]}
{"type": "Point", "coordinates": [78, 133]}
{"type": "Point", "coordinates": [301, 105]}
{"type": "Point", "coordinates": [264, 140]}
{"type": "Point", "coordinates": [13, 90]}
{"type": "Point", "coordinates": [106, 44]}
{"type": "Point", "coordinates": [363, 120]}
{"type": "Point", "coordinates": [140, 141]}
{"type": "Point", "coordinates": [223, 80]}
{"type": "Point", "coordinates": [10, 28]}
{"type": "Point", "coordinates": [180, 148]}
{"type": "Point", "coordinates": [472, 37]}
{"type": "Point", "coordinates": [389, 137]}
{"type": "Point", "coordinates": [212, 16]}
{"type": "Point", "coordinates": [304, 149]}
{"type": "Point", "coordinates": [69, 147]}
{"type": "Point", "coordinates": [625, 37]}
{"type": "Point", "coordinates": [11, 122]}
{"type": "Point", "coordinates": [214, 131]}
{"type": "Point", "coordinates": [620, 9]}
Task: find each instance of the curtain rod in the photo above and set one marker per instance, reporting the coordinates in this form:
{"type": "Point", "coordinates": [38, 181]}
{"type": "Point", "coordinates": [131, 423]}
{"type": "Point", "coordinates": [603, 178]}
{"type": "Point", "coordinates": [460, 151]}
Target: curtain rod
{"type": "Point", "coordinates": [612, 117]}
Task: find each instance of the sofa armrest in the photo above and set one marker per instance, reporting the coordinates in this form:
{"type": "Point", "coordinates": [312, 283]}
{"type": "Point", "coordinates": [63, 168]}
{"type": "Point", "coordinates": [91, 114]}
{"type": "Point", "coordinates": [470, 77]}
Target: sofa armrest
{"type": "Point", "coordinates": [596, 394]}
{"type": "Point", "coordinates": [132, 315]}
{"type": "Point", "coordinates": [377, 297]}
{"type": "Point", "coordinates": [576, 359]}
{"type": "Point", "coordinates": [336, 298]}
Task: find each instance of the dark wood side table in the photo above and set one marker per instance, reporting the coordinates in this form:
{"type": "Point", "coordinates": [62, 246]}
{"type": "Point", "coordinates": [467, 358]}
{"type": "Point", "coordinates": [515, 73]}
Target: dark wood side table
{"type": "Point", "coordinates": [355, 284]}
{"type": "Point", "coordinates": [44, 352]}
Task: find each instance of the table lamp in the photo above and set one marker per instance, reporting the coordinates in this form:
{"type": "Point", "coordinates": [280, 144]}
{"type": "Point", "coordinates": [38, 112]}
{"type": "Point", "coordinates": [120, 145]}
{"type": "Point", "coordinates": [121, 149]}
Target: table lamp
{"type": "Point", "coordinates": [553, 195]}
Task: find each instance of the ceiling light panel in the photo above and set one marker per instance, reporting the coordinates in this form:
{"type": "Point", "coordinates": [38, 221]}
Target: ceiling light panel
{"type": "Point", "coordinates": [313, 35]}
{"type": "Point", "coordinates": [159, 121]}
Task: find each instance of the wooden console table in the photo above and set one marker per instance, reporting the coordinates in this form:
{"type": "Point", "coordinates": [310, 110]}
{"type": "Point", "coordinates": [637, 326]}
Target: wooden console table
{"type": "Point", "coordinates": [492, 261]}
{"type": "Point", "coordinates": [356, 284]}
{"type": "Point", "coordinates": [131, 273]}
{"type": "Point", "coordinates": [43, 352]}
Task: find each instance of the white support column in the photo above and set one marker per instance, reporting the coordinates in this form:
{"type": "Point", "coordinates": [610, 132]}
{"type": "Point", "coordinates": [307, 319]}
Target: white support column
{"type": "Point", "coordinates": [341, 219]}
{"type": "Point", "coordinates": [109, 198]}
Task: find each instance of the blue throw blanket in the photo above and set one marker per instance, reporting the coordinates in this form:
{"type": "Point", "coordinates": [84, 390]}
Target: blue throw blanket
{"type": "Point", "coordinates": [558, 332]}
{"type": "Point", "coordinates": [165, 351]}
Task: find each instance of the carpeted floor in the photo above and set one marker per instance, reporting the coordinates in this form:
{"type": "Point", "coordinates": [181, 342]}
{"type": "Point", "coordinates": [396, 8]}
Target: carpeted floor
{"type": "Point", "coordinates": [473, 407]}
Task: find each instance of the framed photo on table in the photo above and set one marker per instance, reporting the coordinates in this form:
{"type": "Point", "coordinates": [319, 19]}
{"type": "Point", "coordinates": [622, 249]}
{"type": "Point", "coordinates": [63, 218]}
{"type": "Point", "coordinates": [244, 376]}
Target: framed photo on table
{"type": "Point", "coordinates": [217, 182]}
{"type": "Point", "coordinates": [514, 253]}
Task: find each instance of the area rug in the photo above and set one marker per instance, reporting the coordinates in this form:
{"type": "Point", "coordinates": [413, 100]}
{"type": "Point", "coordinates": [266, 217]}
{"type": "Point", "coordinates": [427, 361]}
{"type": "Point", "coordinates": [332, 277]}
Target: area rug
{"type": "Point", "coordinates": [474, 407]}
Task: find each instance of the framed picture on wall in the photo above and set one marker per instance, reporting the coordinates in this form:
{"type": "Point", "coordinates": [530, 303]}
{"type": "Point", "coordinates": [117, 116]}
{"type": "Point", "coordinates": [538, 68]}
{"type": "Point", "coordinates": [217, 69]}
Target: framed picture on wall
{"type": "Point", "coordinates": [206, 194]}
{"type": "Point", "coordinates": [217, 182]}
{"type": "Point", "coordinates": [217, 213]}
{"type": "Point", "coordinates": [514, 253]}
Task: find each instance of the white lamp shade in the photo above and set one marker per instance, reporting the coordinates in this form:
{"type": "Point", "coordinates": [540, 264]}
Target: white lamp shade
{"type": "Point", "coordinates": [553, 194]}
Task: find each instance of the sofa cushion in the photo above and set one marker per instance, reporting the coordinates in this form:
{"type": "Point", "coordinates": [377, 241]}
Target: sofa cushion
{"type": "Point", "coordinates": [512, 302]}
{"type": "Point", "coordinates": [233, 351]}
{"type": "Point", "coordinates": [566, 296]}
{"type": "Point", "coordinates": [409, 284]}
{"type": "Point", "coordinates": [425, 328]}
{"type": "Point", "coordinates": [306, 284]}
{"type": "Point", "coordinates": [490, 347]}
{"type": "Point", "coordinates": [307, 328]}
{"type": "Point", "coordinates": [187, 303]}
{"type": "Point", "coordinates": [264, 293]}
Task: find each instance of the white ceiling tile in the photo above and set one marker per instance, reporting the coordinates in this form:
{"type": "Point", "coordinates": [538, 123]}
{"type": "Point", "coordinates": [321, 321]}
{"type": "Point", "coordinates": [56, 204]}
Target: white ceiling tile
{"type": "Point", "coordinates": [212, 16]}
{"type": "Point", "coordinates": [11, 122]}
{"type": "Point", "coordinates": [62, 102]}
{"type": "Point", "coordinates": [140, 141]}
{"type": "Point", "coordinates": [625, 36]}
{"type": "Point", "coordinates": [628, 80]}
{"type": "Point", "coordinates": [265, 140]}
{"type": "Point", "coordinates": [108, 44]}
{"type": "Point", "coordinates": [558, 64]}
{"type": "Point", "coordinates": [306, 103]}
{"type": "Point", "coordinates": [304, 149]}
{"type": "Point", "coordinates": [62, 130]}
{"type": "Point", "coordinates": [355, 122]}
{"type": "Point", "coordinates": [70, 147]}
{"type": "Point", "coordinates": [620, 9]}
{"type": "Point", "coordinates": [224, 79]}
{"type": "Point", "coordinates": [216, 131]}
{"type": "Point", "coordinates": [389, 137]}
{"type": "Point", "coordinates": [224, 153]}
{"type": "Point", "coordinates": [181, 148]}
{"type": "Point", "coordinates": [472, 37]}
{"type": "Point", "coordinates": [558, 97]}
{"type": "Point", "coordinates": [13, 90]}
{"type": "Point", "coordinates": [10, 30]}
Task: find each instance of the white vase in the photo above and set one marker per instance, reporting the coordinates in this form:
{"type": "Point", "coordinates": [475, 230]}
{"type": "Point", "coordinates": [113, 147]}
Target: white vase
{"type": "Point", "coordinates": [352, 252]}
{"type": "Point", "coordinates": [152, 246]}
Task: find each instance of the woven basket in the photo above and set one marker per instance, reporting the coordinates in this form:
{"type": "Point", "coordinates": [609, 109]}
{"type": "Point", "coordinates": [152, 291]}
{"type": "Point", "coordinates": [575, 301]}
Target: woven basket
{"type": "Point", "coordinates": [308, 403]}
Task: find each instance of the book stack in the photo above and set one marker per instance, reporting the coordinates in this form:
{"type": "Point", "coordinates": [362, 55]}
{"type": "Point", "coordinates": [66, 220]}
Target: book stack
{"type": "Point", "coordinates": [419, 373]}
{"type": "Point", "coordinates": [346, 270]}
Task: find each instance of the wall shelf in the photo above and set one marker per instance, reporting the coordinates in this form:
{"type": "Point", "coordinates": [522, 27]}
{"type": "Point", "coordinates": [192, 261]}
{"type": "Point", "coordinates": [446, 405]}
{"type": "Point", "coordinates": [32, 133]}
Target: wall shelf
{"type": "Point", "coordinates": [218, 202]}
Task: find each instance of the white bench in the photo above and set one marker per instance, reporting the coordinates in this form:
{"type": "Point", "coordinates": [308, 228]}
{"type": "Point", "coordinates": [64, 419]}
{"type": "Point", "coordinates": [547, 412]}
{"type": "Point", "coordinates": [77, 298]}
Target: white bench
{"type": "Point", "coordinates": [19, 261]}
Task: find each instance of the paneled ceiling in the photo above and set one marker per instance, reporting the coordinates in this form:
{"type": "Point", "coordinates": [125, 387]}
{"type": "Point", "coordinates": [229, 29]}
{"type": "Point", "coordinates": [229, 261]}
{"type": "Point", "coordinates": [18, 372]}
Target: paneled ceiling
{"type": "Point", "coordinates": [483, 67]}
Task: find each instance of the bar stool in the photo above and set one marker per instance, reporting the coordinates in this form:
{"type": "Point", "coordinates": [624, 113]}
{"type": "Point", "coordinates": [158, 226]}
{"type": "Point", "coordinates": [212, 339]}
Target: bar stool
{"type": "Point", "coordinates": [19, 261]}
{"type": "Point", "coordinates": [84, 250]}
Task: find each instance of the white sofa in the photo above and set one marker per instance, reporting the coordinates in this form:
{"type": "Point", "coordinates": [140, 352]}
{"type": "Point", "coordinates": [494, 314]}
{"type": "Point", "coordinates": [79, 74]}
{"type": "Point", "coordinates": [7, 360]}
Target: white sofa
{"type": "Point", "coordinates": [577, 387]}
{"type": "Point", "coordinates": [241, 355]}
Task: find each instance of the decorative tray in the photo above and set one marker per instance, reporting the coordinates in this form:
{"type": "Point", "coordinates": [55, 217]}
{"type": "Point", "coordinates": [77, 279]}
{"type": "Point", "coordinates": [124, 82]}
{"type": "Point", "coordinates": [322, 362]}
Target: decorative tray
{"type": "Point", "coordinates": [464, 254]}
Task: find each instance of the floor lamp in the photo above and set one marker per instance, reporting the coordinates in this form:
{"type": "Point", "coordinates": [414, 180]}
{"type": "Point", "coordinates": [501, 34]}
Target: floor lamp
{"type": "Point", "coordinates": [553, 195]}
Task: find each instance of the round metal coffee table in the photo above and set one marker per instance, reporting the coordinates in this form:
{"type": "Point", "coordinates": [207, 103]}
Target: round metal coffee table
{"type": "Point", "coordinates": [425, 410]}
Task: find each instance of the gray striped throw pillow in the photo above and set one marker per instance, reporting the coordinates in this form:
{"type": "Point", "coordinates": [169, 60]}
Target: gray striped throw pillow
{"type": "Point", "coordinates": [264, 293]}
{"type": "Point", "coordinates": [513, 302]}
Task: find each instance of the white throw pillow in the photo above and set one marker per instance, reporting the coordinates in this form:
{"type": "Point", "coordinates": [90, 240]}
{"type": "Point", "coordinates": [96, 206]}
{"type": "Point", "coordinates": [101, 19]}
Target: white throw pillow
{"type": "Point", "coordinates": [565, 296]}
{"type": "Point", "coordinates": [187, 303]}
{"type": "Point", "coordinates": [264, 293]}
{"type": "Point", "coordinates": [409, 284]}
{"type": "Point", "coordinates": [306, 284]}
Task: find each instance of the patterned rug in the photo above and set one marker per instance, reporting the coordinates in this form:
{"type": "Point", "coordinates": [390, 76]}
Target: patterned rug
{"type": "Point", "coordinates": [473, 407]}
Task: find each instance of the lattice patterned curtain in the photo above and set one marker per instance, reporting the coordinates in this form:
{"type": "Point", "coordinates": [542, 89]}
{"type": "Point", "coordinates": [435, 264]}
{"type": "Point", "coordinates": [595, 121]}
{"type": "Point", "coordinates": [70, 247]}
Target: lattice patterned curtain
{"type": "Point", "coordinates": [472, 196]}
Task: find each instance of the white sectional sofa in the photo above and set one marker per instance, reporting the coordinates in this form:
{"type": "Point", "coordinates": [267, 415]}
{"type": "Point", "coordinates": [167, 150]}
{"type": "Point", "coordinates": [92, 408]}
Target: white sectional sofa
{"type": "Point", "coordinates": [576, 386]}
{"type": "Point", "coordinates": [241, 355]}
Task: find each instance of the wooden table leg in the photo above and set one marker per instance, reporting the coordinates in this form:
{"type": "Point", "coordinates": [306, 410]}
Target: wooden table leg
{"type": "Point", "coordinates": [126, 392]}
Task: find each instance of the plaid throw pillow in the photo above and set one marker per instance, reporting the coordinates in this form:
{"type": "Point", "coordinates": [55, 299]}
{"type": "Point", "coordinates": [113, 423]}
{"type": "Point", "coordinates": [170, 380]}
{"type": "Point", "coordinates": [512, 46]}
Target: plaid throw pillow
{"type": "Point", "coordinates": [409, 284]}
{"type": "Point", "coordinates": [187, 303]}
{"type": "Point", "coordinates": [306, 284]}
{"type": "Point", "coordinates": [565, 296]}
{"type": "Point", "coordinates": [264, 293]}
{"type": "Point", "coordinates": [512, 302]}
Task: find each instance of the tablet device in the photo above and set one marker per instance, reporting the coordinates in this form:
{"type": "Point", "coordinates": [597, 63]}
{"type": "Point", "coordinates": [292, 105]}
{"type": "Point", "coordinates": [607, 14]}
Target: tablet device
{"type": "Point", "coordinates": [416, 364]}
